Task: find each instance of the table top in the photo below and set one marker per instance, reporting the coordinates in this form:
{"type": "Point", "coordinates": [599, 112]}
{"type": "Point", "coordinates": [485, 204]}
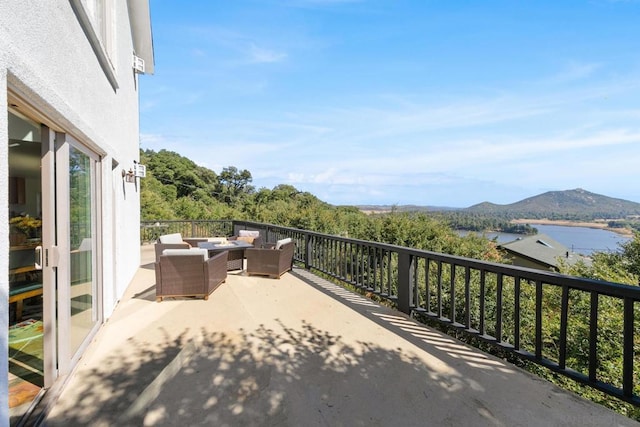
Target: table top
{"type": "Point", "coordinates": [229, 246]}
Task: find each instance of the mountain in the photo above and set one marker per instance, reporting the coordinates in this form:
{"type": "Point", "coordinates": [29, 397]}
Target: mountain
{"type": "Point", "coordinates": [566, 204]}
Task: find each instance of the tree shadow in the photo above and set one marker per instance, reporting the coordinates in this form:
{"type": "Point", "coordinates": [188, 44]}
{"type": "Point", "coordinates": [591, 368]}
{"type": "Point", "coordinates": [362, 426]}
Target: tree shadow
{"type": "Point", "coordinates": [435, 343]}
{"type": "Point", "coordinates": [288, 376]}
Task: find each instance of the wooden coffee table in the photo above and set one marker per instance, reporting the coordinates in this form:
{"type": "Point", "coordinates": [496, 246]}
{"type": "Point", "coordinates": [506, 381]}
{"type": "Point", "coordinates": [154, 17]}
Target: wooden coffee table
{"type": "Point", "coordinates": [236, 251]}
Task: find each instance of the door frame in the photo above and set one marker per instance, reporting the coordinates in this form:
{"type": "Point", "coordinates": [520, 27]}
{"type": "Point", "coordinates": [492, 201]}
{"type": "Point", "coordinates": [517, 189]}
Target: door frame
{"type": "Point", "coordinates": [50, 255]}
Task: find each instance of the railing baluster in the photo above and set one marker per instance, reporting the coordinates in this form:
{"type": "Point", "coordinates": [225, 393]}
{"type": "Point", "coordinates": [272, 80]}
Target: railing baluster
{"type": "Point", "coordinates": [369, 287]}
{"type": "Point", "coordinates": [482, 328]}
{"type": "Point", "coordinates": [467, 297]}
{"type": "Point", "coordinates": [389, 274]}
{"type": "Point", "coordinates": [452, 294]}
{"type": "Point", "coordinates": [337, 258]}
{"type": "Point", "coordinates": [499, 284]}
{"type": "Point", "coordinates": [340, 259]}
{"type": "Point", "coordinates": [345, 270]}
{"type": "Point", "coordinates": [439, 290]}
{"type": "Point", "coordinates": [355, 260]}
{"type": "Point", "coordinates": [627, 359]}
{"type": "Point", "coordinates": [538, 319]}
{"type": "Point", "coordinates": [415, 290]}
{"type": "Point", "coordinates": [516, 314]}
{"type": "Point", "coordinates": [337, 264]}
{"type": "Point", "coordinates": [593, 337]}
{"type": "Point", "coordinates": [564, 313]}
{"type": "Point", "coordinates": [325, 256]}
{"type": "Point", "coordinates": [356, 264]}
{"type": "Point", "coordinates": [427, 307]}
{"type": "Point", "coordinates": [376, 265]}
{"type": "Point", "coordinates": [361, 275]}
{"type": "Point", "coordinates": [307, 251]}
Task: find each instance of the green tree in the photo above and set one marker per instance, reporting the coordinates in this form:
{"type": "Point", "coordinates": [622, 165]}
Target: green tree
{"type": "Point", "coordinates": [234, 185]}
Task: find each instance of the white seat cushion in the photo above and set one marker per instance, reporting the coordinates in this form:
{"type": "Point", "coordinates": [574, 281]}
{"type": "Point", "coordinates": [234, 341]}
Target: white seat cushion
{"type": "Point", "coordinates": [171, 238]}
{"type": "Point", "coordinates": [248, 233]}
{"type": "Point", "coordinates": [281, 242]}
{"type": "Point", "coordinates": [187, 252]}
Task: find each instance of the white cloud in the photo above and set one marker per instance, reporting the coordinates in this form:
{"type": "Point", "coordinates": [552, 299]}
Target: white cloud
{"type": "Point", "coordinates": [241, 47]}
{"type": "Point", "coordinates": [575, 71]}
{"type": "Point", "coordinates": [260, 55]}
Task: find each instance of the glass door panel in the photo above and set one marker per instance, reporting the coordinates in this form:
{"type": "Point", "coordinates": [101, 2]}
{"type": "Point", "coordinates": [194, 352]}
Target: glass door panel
{"type": "Point", "coordinates": [83, 293]}
{"type": "Point", "coordinates": [26, 327]}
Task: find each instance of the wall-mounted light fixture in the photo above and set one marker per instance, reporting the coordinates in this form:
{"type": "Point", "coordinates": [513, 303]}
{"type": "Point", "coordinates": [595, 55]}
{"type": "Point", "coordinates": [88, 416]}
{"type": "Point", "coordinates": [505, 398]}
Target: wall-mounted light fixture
{"type": "Point", "coordinates": [128, 176]}
{"type": "Point", "coordinates": [132, 175]}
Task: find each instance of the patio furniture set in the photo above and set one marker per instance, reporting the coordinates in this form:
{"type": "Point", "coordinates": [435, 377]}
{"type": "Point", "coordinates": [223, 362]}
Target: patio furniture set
{"type": "Point", "coordinates": [198, 266]}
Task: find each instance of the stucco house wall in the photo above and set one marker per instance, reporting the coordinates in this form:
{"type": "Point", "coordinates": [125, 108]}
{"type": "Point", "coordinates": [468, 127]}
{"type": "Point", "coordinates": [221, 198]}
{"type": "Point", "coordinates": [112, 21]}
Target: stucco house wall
{"type": "Point", "coordinates": [48, 61]}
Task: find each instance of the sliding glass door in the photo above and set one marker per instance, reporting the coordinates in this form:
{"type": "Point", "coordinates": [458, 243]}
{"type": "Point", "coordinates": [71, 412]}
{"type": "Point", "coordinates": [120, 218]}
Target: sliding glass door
{"type": "Point", "coordinates": [54, 269]}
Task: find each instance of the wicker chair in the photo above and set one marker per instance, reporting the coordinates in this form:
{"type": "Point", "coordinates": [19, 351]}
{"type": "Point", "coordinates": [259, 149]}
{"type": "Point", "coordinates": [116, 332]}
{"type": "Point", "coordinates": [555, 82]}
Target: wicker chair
{"type": "Point", "coordinates": [270, 262]}
{"type": "Point", "coordinates": [189, 272]}
{"type": "Point", "coordinates": [175, 241]}
{"type": "Point", "coordinates": [250, 236]}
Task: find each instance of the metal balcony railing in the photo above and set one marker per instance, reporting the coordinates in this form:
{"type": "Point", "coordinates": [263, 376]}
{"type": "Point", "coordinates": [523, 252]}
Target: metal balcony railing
{"type": "Point", "coordinates": [548, 318]}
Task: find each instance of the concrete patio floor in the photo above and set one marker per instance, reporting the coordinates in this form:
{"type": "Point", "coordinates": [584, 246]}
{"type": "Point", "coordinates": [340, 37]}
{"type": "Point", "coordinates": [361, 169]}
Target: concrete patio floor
{"type": "Point", "coordinates": [298, 351]}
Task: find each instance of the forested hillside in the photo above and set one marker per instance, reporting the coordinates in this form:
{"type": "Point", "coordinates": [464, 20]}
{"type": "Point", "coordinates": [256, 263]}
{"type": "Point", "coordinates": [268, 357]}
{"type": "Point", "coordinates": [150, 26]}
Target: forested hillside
{"type": "Point", "coordinates": [575, 204]}
{"type": "Point", "coordinates": [571, 205]}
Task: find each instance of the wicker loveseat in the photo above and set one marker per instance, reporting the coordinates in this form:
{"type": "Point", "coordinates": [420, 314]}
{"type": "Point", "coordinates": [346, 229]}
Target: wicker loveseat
{"type": "Point", "coordinates": [189, 272]}
{"type": "Point", "coordinates": [271, 261]}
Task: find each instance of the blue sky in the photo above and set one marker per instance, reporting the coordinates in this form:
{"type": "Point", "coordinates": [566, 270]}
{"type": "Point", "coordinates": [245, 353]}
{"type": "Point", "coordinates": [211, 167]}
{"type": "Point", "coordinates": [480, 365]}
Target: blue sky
{"type": "Point", "coordinates": [428, 102]}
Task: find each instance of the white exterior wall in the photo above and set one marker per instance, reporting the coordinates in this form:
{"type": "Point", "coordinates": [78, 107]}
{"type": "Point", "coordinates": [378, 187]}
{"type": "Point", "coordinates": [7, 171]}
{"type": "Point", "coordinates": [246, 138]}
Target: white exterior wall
{"type": "Point", "coordinates": [46, 58]}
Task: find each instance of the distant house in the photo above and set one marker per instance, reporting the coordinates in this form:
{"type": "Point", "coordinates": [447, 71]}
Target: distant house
{"type": "Point", "coordinates": [539, 251]}
{"type": "Point", "coordinates": [70, 208]}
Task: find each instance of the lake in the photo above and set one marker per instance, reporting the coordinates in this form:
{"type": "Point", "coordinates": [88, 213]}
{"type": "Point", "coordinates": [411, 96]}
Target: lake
{"type": "Point", "coordinates": [581, 240]}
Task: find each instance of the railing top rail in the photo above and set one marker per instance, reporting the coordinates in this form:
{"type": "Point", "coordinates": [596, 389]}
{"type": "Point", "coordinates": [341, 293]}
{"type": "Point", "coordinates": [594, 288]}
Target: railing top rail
{"type": "Point", "coordinates": [164, 221]}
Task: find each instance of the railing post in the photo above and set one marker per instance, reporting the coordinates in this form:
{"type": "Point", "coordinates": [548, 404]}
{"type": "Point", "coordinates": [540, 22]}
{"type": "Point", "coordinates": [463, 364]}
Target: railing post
{"type": "Point", "coordinates": [405, 280]}
{"type": "Point", "coordinates": [307, 251]}
{"type": "Point", "coordinates": [193, 229]}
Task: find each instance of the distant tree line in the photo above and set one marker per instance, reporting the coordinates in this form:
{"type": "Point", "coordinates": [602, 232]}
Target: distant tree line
{"type": "Point", "coordinates": [632, 223]}
{"type": "Point", "coordinates": [471, 221]}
